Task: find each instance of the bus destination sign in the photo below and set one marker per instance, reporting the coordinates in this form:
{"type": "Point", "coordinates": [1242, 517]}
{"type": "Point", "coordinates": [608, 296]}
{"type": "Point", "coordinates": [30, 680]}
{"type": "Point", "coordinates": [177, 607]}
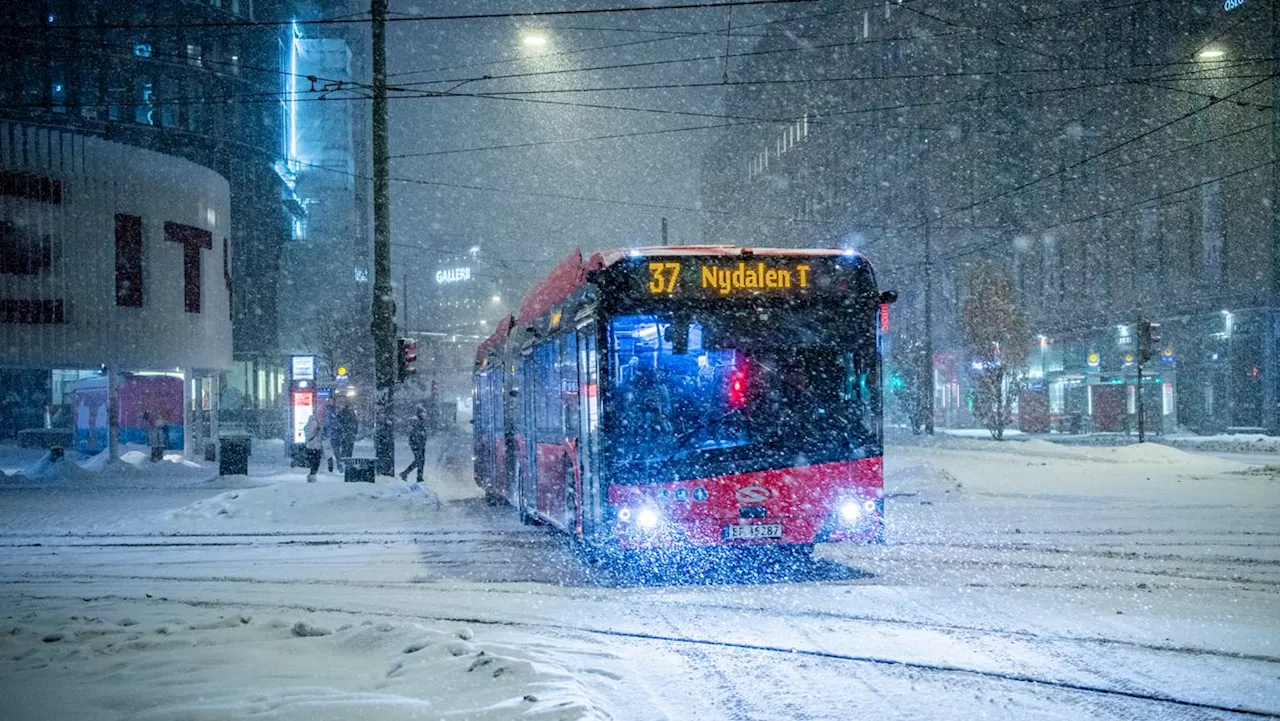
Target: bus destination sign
{"type": "Point", "coordinates": [704, 276]}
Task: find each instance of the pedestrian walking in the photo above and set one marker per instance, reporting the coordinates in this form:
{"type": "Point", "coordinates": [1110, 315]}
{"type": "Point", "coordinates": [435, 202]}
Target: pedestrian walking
{"type": "Point", "coordinates": [417, 444]}
{"type": "Point", "coordinates": [314, 447]}
{"type": "Point", "coordinates": [155, 435]}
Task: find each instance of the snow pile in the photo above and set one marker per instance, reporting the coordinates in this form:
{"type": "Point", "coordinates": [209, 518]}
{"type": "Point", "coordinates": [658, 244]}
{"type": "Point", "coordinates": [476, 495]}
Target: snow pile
{"type": "Point", "coordinates": [14, 458]}
{"type": "Point", "coordinates": [48, 470]}
{"type": "Point", "coordinates": [187, 664]}
{"type": "Point", "coordinates": [133, 467]}
{"type": "Point", "coordinates": [1039, 468]}
{"type": "Point", "coordinates": [327, 503]}
{"type": "Point", "coordinates": [1156, 454]}
{"type": "Point", "coordinates": [1228, 443]}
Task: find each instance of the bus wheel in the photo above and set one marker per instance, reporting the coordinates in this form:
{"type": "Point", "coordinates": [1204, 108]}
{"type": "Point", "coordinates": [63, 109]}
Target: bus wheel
{"type": "Point", "coordinates": [492, 498]}
{"type": "Point", "coordinates": [588, 552]}
{"type": "Point", "coordinates": [528, 519]}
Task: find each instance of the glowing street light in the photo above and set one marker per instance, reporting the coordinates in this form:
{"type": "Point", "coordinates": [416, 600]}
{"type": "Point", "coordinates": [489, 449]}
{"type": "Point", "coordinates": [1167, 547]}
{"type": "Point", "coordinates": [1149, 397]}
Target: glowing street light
{"type": "Point", "coordinates": [1211, 54]}
{"type": "Point", "coordinates": [534, 39]}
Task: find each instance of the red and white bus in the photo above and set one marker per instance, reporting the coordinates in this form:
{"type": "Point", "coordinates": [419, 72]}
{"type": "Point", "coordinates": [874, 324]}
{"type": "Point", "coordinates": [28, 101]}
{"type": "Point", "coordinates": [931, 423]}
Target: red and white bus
{"type": "Point", "coordinates": [689, 397]}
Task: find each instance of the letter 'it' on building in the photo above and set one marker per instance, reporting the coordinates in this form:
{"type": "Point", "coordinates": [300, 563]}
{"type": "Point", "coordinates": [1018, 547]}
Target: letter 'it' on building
{"type": "Point", "coordinates": [192, 240]}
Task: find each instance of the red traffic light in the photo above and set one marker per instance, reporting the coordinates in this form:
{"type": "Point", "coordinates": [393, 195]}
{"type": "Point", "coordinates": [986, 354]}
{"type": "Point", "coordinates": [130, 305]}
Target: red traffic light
{"type": "Point", "coordinates": [407, 355]}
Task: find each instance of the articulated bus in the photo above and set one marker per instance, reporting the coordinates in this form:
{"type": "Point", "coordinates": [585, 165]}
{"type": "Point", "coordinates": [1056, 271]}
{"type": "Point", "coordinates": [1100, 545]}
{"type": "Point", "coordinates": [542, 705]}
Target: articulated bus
{"type": "Point", "coordinates": [678, 397]}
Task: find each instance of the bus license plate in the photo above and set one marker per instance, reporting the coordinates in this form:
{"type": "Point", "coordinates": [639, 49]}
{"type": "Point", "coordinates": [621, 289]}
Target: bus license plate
{"type": "Point", "coordinates": [759, 530]}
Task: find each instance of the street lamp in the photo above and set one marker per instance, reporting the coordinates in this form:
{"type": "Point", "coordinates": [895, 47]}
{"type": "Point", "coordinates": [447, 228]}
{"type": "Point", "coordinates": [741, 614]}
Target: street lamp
{"type": "Point", "coordinates": [1212, 54]}
{"type": "Point", "coordinates": [533, 39]}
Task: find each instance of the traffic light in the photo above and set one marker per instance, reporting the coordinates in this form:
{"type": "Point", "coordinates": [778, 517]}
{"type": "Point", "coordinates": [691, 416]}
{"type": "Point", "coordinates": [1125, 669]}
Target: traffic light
{"type": "Point", "coordinates": [406, 356]}
{"type": "Point", "coordinates": [1148, 340]}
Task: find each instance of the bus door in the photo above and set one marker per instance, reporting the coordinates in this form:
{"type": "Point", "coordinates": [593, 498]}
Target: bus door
{"type": "Point", "coordinates": [556, 421]}
{"type": "Point", "coordinates": [507, 390]}
{"type": "Point", "coordinates": [526, 435]}
{"type": "Point", "coordinates": [587, 509]}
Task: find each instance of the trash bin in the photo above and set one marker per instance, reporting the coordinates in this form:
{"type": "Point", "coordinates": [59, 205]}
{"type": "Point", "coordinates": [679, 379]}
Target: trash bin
{"type": "Point", "coordinates": [233, 459]}
{"type": "Point", "coordinates": [357, 470]}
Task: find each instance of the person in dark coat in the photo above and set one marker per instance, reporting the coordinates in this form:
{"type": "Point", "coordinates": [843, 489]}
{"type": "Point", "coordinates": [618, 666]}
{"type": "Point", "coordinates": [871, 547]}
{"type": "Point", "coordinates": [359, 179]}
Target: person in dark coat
{"type": "Point", "coordinates": [155, 435]}
{"type": "Point", "coordinates": [333, 434]}
{"type": "Point", "coordinates": [417, 444]}
{"type": "Point", "coordinates": [348, 429]}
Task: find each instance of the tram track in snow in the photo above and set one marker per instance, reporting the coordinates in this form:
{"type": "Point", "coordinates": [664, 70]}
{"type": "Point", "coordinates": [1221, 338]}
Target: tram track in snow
{"type": "Point", "coordinates": [975, 632]}
{"type": "Point", "coordinates": [950, 670]}
{"type": "Point", "coordinates": [534, 539]}
{"type": "Point", "coordinates": [16, 574]}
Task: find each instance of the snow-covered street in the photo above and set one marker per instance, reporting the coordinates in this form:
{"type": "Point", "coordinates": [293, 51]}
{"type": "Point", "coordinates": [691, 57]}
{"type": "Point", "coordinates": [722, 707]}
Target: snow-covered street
{"type": "Point", "coordinates": [1020, 580]}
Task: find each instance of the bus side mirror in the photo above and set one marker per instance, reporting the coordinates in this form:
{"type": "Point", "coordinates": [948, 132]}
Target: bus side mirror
{"type": "Point", "coordinates": [513, 393]}
{"type": "Point", "coordinates": [889, 296]}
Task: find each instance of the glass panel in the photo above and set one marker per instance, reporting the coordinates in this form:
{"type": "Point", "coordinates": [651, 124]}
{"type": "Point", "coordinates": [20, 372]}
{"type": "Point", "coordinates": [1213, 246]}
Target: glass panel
{"type": "Point", "coordinates": [759, 389]}
{"type": "Point", "coordinates": [569, 382]}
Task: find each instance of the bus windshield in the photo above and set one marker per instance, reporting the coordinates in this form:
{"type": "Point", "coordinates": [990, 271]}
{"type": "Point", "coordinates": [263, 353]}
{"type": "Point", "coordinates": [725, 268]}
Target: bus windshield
{"type": "Point", "coordinates": [738, 391]}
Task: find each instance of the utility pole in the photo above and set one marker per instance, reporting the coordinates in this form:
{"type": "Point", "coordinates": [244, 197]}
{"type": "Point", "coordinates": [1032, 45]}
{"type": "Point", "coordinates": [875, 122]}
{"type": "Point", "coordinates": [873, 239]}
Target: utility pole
{"type": "Point", "coordinates": [384, 346]}
{"type": "Point", "coordinates": [404, 293]}
{"type": "Point", "coordinates": [113, 412]}
{"type": "Point", "coordinates": [927, 372]}
{"type": "Point", "coordinates": [1148, 342]}
{"type": "Point", "coordinates": [1271, 364]}
{"type": "Point", "coordinates": [664, 231]}
{"type": "Point", "coordinates": [1142, 410]}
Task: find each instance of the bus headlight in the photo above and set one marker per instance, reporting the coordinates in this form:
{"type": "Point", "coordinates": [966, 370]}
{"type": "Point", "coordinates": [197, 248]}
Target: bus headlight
{"type": "Point", "coordinates": [851, 511]}
{"type": "Point", "coordinates": [869, 505]}
{"type": "Point", "coordinates": [624, 514]}
{"type": "Point", "coordinates": [647, 518]}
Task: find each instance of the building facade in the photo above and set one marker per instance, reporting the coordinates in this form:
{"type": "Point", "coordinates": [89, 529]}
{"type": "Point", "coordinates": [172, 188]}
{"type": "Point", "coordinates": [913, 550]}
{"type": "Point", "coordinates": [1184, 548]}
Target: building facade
{"type": "Point", "coordinates": [156, 77]}
{"type": "Point", "coordinates": [326, 272]}
{"type": "Point", "coordinates": [1115, 163]}
{"type": "Point", "coordinates": [111, 257]}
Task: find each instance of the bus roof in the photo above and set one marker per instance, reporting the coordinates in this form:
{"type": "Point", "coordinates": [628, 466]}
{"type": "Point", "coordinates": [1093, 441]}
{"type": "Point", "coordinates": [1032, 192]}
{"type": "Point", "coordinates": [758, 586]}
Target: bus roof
{"type": "Point", "coordinates": [569, 275]}
{"type": "Point", "coordinates": [497, 339]}
{"type": "Point", "coordinates": [609, 257]}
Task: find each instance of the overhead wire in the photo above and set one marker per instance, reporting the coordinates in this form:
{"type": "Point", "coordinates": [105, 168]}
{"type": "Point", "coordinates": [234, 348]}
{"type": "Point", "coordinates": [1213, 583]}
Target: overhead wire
{"type": "Point", "coordinates": [577, 51]}
{"type": "Point", "coordinates": [716, 57]}
{"type": "Point", "coordinates": [753, 120]}
{"type": "Point", "coordinates": [1091, 157]}
{"type": "Point", "coordinates": [973, 248]}
{"type": "Point", "coordinates": [969, 74]}
{"type": "Point", "coordinates": [430, 18]}
{"type": "Point", "coordinates": [1212, 103]}
{"type": "Point", "coordinates": [864, 41]}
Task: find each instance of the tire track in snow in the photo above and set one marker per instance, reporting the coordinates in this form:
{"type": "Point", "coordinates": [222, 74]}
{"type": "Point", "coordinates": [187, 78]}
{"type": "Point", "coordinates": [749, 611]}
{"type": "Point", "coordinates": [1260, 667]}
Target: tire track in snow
{"type": "Point", "coordinates": [775, 612]}
{"type": "Point", "coordinates": [770, 650]}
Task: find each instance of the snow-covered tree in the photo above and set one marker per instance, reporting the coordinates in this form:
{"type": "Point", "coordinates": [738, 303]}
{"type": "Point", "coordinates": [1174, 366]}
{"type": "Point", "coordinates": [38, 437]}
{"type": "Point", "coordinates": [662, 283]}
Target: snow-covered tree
{"type": "Point", "coordinates": [996, 334]}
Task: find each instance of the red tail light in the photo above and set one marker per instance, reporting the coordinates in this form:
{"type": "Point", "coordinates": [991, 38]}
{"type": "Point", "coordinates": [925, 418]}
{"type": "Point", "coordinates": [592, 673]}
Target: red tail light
{"type": "Point", "coordinates": [738, 388]}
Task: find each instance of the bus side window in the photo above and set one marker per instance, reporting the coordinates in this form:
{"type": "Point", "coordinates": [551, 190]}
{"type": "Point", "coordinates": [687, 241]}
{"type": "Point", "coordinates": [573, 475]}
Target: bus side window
{"type": "Point", "coordinates": [569, 382]}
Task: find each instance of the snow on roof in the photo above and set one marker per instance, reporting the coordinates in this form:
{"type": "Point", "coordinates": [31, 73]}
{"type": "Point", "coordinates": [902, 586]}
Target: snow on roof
{"type": "Point", "coordinates": [609, 257]}
{"type": "Point", "coordinates": [499, 336]}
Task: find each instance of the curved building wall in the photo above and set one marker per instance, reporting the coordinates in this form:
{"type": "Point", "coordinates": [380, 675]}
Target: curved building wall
{"type": "Point", "coordinates": [110, 254]}
{"type": "Point", "coordinates": [145, 74]}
